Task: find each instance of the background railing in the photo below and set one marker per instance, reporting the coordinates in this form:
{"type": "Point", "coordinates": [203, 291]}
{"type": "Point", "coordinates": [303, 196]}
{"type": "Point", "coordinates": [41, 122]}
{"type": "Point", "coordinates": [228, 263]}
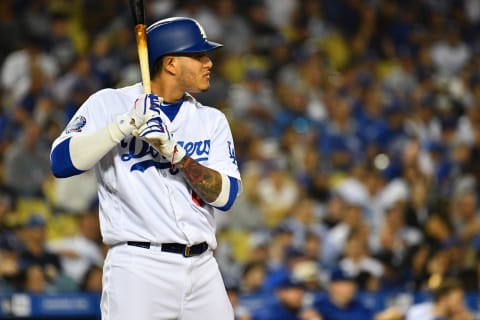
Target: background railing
{"type": "Point", "coordinates": [85, 306]}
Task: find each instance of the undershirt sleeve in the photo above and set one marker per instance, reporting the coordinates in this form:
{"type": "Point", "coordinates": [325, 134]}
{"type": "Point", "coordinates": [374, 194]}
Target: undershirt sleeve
{"type": "Point", "coordinates": [79, 153]}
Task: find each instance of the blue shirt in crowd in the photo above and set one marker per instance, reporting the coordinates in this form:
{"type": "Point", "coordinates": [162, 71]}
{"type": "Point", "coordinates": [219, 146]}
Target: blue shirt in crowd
{"type": "Point", "coordinates": [329, 311]}
{"type": "Point", "coordinates": [274, 310]}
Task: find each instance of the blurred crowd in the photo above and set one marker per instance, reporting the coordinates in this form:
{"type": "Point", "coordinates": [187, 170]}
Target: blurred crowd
{"type": "Point", "coordinates": [357, 131]}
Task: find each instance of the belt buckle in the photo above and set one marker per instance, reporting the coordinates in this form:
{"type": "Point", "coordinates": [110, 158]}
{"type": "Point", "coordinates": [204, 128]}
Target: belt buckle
{"type": "Point", "coordinates": [186, 252]}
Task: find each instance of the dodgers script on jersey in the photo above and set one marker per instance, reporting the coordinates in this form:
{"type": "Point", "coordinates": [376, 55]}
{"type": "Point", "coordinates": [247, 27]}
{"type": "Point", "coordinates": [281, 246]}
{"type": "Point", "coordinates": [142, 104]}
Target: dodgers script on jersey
{"type": "Point", "coordinates": [136, 203]}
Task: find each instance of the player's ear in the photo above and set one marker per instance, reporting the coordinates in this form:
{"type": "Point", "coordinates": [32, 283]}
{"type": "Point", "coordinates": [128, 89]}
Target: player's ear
{"type": "Point", "coordinates": [170, 64]}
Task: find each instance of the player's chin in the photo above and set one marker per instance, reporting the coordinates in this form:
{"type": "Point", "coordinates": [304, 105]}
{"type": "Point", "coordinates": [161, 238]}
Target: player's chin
{"type": "Point", "coordinates": [204, 83]}
{"type": "Point", "coordinates": [202, 87]}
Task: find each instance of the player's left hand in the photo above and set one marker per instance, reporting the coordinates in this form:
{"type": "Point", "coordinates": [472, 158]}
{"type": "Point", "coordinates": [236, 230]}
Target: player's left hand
{"type": "Point", "coordinates": [145, 106]}
{"type": "Point", "coordinates": [155, 132]}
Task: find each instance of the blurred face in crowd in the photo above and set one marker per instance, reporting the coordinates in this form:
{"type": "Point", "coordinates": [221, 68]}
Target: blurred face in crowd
{"type": "Point", "coordinates": [342, 292]}
{"type": "Point", "coordinates": [34, 234]}
{"type": "Point", "coordinates": [437, 228]}
{"type": "Point", "coordinates": [304, 211]}
{"type": "Point", "coordinates": [374, 102]}
{"type": "Point", "coordinates": [467, 205]}
{"type": "Point", "coordinates": [291, 297]}
{"type": "Point", "coordinates": [411, 152]}
{"type": "Point", "coordinates": [353, 215]}
{"type": "Point", "coordinates": [253, 279]}
{"type": "Point", "coordinates": [395, 215]}
{"type": "Point", "coordinates": [312, 246]}
{"type": "Point", "coordinates": [341, 114]}
{"type": "Point", "coordinates": [32, 132]}
{"type": "Point", "coordinates": [93, 282]}
{"type": "Point", "coordinates": [355, 248]}
{"type": "Point", "coordinates": [35, 279]}
{"type": "Point", "coordinates": [296, 100]}
{"type": "Point", "coordinates": [455, 299]}
{"type": "Point", "coordinates": [453, 38]}
{"type": "Point", "coordinates": [419, 193]}
{"type": "Point", "coordinates": [335, 208]}
{"type": "Point", "coordinates": [453, 303]}
{"type": "Point", "coordinates": [461, 153]}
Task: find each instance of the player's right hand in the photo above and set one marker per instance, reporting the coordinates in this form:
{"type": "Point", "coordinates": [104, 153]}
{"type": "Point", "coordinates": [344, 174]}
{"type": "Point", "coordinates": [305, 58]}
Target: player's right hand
{"type": "Point", "coordinates": [155, 132]}
{"type": "Point", "coordinates": [144, 107]}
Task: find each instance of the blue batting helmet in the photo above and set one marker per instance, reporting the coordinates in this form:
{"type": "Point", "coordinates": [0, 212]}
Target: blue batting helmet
{"type": "Point", "coordinates": [177, 35]}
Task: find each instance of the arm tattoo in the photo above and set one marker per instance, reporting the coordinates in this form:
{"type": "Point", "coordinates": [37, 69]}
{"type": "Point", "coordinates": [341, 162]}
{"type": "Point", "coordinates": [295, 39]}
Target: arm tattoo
{"type": "Point", "coordinates": [206, 182]}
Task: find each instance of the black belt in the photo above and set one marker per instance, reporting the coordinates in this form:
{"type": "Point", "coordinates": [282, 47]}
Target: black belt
{"type": "Point", "coordinates": [179, 248]}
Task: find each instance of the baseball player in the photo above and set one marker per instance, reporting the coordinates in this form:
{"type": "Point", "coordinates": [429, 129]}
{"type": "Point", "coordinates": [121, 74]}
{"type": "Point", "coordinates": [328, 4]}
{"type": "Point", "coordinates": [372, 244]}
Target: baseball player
{"type": "Point", "coordinates": [163, 162]}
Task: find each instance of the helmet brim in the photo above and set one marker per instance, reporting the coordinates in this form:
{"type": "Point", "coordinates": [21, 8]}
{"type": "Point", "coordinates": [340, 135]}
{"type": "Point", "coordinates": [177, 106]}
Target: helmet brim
{"type": "Point", "coordinates": [201, 47]}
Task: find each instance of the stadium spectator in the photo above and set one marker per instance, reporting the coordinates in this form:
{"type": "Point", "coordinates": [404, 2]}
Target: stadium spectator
{"type": "Point", "coordinates": [79, 77]}
{"type": "Point", "coordinates": [92, 279]}
{"type": "Point", "coordinates": [241, 312]}
{"type": "Point", "coordinates": [313, 247]}
{"type": "Point", "coordinates": [253, 278]}
{"type": "Point", "coordinates": [292, 259]}
{"type": "Point", "coordinates": [465, 214]}
{"type": "Point", "coordinates": [33, 280]}
{"type": "Point", "coordinates": [253, 98]}
{"type": "Point", "coordinates": [78, 252]}
{"type": "Point", "coordinates": [287, 304]}
{"type": "Point", "coordinates": [278, 192]}
{"type": "Point", "coordinates": [397, 239]}
{"type": "Point", "coordinates": [312, 177]}
{"type": "Point", "coordinates": [302, 219]}
{"type": "Point", "coordinates": [9, 270]}
{"type": "Point", "coordinates": [246, 214]}
{"type": "Point", "coordinates": [358, 261]}
{"type": "Point", "coordinates": [261, 28]}
{"type": "Point", "coordinates": [203, 13]}
{"type": "Point", "coordinates": [10, 33]}
{"type": "Point", "coordinates": [447, 303]}
{"type": "Point", "coordinates": [39, 266]}
{"type": "Point", "coordinates": [26, 163]}
{"type": "Point", "coordinates": [10, 244]}
{"type": "Point", "coordinates": [417, 205]}
{"type": "Point", "coordinates": [338, 139]}
{"type": "Point", "coordinates": [59, 41]}
{"type": "Point", "coordinates": [20, 67]}
{"type": "Point", "coordinates": [352, 221]}
{"type": "Point", "coordinates": [340, 302]}
{"type": "Point", "coordinates": [231, 22]}
{"type": "Point", "coordinates": [450, 54]}
{"type": "Point", "coordinates": [103, 63]}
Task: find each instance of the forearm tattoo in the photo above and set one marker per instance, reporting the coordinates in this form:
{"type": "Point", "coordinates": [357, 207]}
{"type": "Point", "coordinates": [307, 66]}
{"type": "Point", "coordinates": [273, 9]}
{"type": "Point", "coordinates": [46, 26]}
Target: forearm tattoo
{"type": "Point", "coordinates": [206, 182]}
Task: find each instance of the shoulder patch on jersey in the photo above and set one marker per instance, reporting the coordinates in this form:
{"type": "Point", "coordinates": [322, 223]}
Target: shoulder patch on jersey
{"type": "Point", "coordinates": [231, 152]}
{"type": "Point", "coordinates": [76, 124]}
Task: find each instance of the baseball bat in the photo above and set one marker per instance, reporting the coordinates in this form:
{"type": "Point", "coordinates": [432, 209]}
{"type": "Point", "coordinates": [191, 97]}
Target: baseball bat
{"type": "Point", "coordinates": [138, 13]}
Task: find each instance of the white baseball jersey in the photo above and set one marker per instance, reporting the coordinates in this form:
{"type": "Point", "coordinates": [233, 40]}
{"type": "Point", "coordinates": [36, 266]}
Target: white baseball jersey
{"type": "Point", "coordinates": [141, 198]}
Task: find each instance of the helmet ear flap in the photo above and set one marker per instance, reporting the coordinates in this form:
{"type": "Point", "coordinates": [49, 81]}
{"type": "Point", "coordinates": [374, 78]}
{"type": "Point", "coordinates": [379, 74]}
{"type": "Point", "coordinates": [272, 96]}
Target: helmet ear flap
{"type": "Point", "coordinates": [176, 35]}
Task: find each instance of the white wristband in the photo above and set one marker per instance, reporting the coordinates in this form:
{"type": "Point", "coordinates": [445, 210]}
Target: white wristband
{"type": "Point", "coordinates": [224, 195]}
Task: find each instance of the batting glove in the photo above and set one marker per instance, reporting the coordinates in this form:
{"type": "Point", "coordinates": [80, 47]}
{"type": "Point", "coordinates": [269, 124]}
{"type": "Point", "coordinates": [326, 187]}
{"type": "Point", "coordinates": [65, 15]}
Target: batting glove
{"type": "Point", "coordinates": [145, 107]}
{"type": "Point", "coordinates": [155, 132]}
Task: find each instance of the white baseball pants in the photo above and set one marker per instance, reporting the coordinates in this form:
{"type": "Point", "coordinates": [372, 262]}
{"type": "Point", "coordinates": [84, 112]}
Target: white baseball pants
{"type": "Point", "coordinates": [148, 284]}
